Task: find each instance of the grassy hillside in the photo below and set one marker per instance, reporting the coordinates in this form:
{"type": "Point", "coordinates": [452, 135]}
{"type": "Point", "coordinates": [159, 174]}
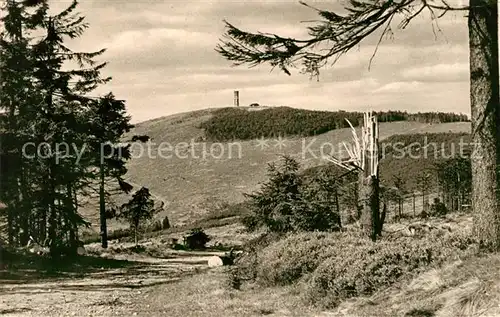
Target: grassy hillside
{"type": "Point", "coordinates": [188, 181]}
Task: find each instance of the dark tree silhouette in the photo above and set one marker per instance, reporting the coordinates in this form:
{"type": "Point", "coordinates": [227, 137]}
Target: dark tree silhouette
{"type": "Point", "coordinates": [138, 209]}
{"type": "Point", "coordinates": [341, 33]}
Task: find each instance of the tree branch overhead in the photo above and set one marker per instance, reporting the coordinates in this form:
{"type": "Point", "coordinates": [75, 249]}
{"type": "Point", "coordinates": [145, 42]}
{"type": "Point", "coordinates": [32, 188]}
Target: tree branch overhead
{"type": "Point", "coordinates": [341, 32]}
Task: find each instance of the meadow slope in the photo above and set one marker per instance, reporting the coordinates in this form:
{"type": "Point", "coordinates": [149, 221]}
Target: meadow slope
{"type": "Point", "coordinates": [188, 181]}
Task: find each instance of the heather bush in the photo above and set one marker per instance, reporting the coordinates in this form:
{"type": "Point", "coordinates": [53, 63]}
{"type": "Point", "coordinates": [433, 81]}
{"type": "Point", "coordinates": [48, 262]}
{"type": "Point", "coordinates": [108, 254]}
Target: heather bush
{"type": "Point", "coordinates": [330, 267]}
{"type": "Point", "coordinates": [373, 266]}
{"type": "Point", "coordinates": [288, 259]}
{"type": "Point", "coordinates": [246, 264]}
{"type": "Point", "coordinates": [155, 226]}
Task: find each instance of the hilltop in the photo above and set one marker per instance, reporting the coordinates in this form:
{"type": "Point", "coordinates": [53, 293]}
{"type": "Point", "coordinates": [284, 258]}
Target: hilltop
{"type": "Point", "coordinates": [189, 179]}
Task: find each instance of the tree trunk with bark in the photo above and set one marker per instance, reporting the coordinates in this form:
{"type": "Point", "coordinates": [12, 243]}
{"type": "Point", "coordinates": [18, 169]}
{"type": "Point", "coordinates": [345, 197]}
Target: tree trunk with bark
{"type": "Point", "coordinates": [102, 210]}
{"type": "Point", "coordinates": [370, 215]}
{"type": "Point", "coordinates": [485, 117]}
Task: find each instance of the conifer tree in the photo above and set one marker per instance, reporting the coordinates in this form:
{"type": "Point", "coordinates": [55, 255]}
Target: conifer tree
{"type": "Point", "coordinates": [45, 102]}
{"type": "Point", "coordinates": [108, 122]}
{"type": "Point", "coordinates": [19, 102]}
{"type": "Point", "coordinates": [139, 209]}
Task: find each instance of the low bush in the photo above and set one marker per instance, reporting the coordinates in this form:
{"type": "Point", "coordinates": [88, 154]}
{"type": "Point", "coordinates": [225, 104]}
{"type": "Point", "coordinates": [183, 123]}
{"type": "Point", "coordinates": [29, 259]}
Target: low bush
{"type": "Point", "coordinates": [196, 239]}
{"type": "Point", "coordinates": [245, 268]}
{"type": "Point", "coordinates": [288, 259]}
{"type": "Point", "coordinates": [155, 226]}
{"type": "Point", "coordinates": [93, 237]}
{"type": "Point", "coordinates": [373, 266]}
{"type": "Point", "coordinates": [330, 267]}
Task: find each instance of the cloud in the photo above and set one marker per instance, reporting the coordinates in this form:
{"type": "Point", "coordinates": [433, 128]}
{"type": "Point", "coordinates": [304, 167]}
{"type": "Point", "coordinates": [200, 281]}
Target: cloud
{"type": "Point", "coordinates": [162, 59]}
{"type": "Point", "coordinates": [399, 87]}
{"type": "Point", "coordinates": [438, 72]}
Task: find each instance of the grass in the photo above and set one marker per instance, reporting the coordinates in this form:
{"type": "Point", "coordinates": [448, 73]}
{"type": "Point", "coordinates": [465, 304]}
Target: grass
{"type": "Point", "coordinates": [208, 295]}
{"type": "Point", "coordinates": [461, 288]}
{"type": "Point", "coordinates": [186, 184]}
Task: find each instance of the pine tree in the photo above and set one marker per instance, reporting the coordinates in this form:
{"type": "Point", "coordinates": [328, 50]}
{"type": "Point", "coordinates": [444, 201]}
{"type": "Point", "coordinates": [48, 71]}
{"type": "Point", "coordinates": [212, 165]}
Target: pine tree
{"type": "Point", "coordinates": [137, 210]}
{"type": "Point", "coordinates": [60, 119]}
{"type": "Point", "coordinates": [108, 122]}
{"type": "Point", "coordinates": [44, 102]}
{"type": "Point", "coordinates": [19, 102]}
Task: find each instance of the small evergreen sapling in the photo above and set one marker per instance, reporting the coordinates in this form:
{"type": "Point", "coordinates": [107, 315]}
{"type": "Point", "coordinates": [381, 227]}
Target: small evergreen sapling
{"type": "Point", "coordinates": [138, 210]}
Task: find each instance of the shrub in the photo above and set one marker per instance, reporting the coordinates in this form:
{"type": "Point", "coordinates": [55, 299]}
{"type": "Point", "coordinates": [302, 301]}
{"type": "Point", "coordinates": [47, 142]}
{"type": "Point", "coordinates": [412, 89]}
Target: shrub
{"type": "Point", "coordinates": [288, 203]}
{"type": "Point", "coordinates": [155, 226]}
{"type": "Point", "coordinates": [196, 239]}
{"type": "Point", "coordinates": [165, 224]}
{"type": "Point", "coordinates": [438, 208]}
{"type": "Point", "coordinates": [290, 258]}
{"type": "Point", "coordinates": [373, 266]}
{"type": "Point", "coordinates": [246, 264]}
{"type": "Point", "coordinates": [334, 266]}
{"type": "Point", "coordinates": [119, 233]}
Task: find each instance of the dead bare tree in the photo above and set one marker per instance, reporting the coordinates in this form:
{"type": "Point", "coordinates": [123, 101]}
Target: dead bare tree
{"type": "Point", "coordinates": [364, 157]}
{"type": "Point", "coordinates": [334, 35]}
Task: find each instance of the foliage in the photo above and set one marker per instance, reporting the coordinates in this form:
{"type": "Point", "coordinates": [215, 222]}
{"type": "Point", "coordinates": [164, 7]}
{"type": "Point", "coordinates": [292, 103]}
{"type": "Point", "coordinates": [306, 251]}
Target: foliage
{"type": "Point", "coordinates": [367, 268]}
{"type": "Point", "coordinates": [399, 170]}
{"type": "Point", "coordinates": [139, 209]}
{"type": "Point", "coordinates": [413, 153]}
{"type": "Point", "coordinates": [331, 36]}
{"type": "Point", "coordinates": [44, 101]}
{"type": "Point", "coordinates": [196, 239]}
{"type": "Point", "coordinates": [238, 124]}
{"type": "Point", "coordinates": [330, 267]}
{"type": "Point", "coordinates": [438, 208]}
{"type": "Point", "coordinates": [455, 179]}
{"type": "Point", "coordinates": [287, 203]}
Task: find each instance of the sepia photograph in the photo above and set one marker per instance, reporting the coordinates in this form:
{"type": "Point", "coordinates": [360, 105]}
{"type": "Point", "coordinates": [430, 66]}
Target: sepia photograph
{"type": "Point", "coordinates": [286, 158]}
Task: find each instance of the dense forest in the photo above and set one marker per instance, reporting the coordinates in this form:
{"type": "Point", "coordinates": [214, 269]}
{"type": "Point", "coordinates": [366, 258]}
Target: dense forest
{"type": "Point", "coordinates": [239, 124]}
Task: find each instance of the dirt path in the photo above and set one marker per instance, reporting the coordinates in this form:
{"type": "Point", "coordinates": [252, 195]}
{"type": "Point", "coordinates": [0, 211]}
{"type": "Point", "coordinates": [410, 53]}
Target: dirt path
{"type": "Point", "coordinates": [107, 292]}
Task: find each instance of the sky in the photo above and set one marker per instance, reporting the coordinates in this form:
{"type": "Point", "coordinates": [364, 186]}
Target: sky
{"type": "Point", "coordinates": [163, 61]}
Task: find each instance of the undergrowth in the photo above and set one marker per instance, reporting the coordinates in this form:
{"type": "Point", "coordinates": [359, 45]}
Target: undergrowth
{"type": "Point", "coordinates": [330, 267]}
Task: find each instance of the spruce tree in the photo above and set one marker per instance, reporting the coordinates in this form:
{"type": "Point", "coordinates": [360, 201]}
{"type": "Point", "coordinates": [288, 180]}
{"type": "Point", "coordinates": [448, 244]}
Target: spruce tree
{"type": "Point", "coordinates": [19, 101]}
{"type": "Point", "coordinates": [108, 122]}
{"type": "Point", "coordinates": [139, 209]}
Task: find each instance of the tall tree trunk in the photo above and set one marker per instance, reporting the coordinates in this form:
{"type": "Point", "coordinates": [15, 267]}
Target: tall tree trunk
{"type": "Point", "coordinates": [25, 210]}
{"type": "Point", "coordinates": [414, 212]}
{"type": "Point", "coordinates": [135, 235]}
{"type": "Point", "coordinates": [370, 183]}
{"type": "Point", "coordinates": [359, 199]}
{"type": "Point", "coordinates": [52, 230]}
{"type": "Point", "coordinates": [102, 210]}
{"type": "Point", "coordinates": [370, 215]}
{"type": "Point", "coordinates": [485, 100]}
